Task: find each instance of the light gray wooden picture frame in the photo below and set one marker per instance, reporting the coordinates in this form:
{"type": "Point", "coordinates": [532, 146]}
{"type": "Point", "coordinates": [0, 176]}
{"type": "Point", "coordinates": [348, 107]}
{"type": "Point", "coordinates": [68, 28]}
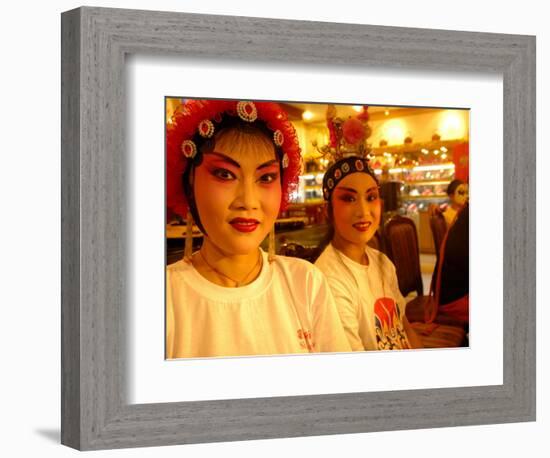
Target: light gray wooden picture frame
{"type": "Point", "coordinates": [95, 412]}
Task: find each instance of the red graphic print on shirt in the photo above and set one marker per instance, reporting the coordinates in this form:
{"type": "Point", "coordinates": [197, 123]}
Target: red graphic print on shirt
{"type": "Point", "coordinates": [390, 334]}
{"type": "Point", "coordinates": [306, 341]}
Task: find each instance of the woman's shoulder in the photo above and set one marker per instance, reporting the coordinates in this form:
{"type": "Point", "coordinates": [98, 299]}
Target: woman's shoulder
{"type": "Point", "coordinates": [379, 258]}
{"type": "Point", "coordinates": [178, 268]}
{"type": "Point", "coordinates": [295, 265]}
{"type": "Point", "coordinates": [326, 260]}
{"type": "Point", "coordinates": [298, 274]}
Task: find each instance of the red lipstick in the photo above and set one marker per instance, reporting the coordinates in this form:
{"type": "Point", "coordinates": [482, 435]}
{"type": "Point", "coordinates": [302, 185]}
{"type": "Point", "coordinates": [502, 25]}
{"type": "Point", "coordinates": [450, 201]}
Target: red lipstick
{"type": "Point", "coordinates": [244, 224]}
{"type": "Point", "coordinates": [362, 226]}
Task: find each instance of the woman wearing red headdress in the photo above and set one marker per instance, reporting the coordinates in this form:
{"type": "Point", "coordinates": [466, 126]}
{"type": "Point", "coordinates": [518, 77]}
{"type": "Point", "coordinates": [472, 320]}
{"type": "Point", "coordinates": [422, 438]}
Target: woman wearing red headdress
{"type": "Point", "coordinates": [231, 165]}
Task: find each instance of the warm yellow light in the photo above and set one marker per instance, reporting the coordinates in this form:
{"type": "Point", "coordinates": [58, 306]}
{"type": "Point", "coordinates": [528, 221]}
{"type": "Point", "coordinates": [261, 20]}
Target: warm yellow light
{"type": "Point", "coordinates": [426, 168]}
{"type": "Point", "coordinates": [394, 131]}
{"type": "Point", "coordinates": [443, 149]}
{"type": "Point", "coordinates": [307, 115]}
{"type": "Point", "coordinates": [452, 125]}
{"type": "Point", "coordinates": [443, 156]}
{"type": "Point", "coordinates": [358, 108]}
{"type": "Point", "coordinates": [386, 112]}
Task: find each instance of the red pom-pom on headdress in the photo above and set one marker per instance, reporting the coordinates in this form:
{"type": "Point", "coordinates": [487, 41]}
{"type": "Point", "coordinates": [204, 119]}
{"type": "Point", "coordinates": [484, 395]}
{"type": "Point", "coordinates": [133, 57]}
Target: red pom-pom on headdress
{"type": "Point", "coordinates": [196, 116]}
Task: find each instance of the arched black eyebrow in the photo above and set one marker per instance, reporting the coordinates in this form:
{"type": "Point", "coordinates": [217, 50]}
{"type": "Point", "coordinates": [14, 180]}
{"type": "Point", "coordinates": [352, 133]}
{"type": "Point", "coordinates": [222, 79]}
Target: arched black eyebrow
{"type": "Point", "coordinates": [236, 164]}
{"type": "Point", "coordinates": [225, 158]}
{"type": "Point", "coordinates": [267, 164]}
{"type": "Point", "coordinates": [343, 188]}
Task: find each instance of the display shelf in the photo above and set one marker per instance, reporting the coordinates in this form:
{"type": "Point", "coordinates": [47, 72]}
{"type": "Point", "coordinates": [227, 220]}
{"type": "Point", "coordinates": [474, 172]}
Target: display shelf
{"type": "Point", "coordinates": [425, 197]}
{"type": "Point", "coordinates": [427, 182]}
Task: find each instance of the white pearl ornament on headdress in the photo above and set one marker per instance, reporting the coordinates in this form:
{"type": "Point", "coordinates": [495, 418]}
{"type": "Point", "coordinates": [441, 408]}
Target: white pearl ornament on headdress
{"type": "Point", "coordinates": [285, 161]}
{"type": "Point", "coordinates": [206, 128]}
{"type": "Point", "coordinates": [189, 149]}
{"type": "Point", "coordinates": [278, 138]}
{"type": "Point", "coordinates": [247, 111]}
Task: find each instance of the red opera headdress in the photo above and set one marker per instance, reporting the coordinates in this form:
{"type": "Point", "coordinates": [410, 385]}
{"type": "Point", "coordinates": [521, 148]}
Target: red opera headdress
{"type": "Point", "coordinates": [197, 121]}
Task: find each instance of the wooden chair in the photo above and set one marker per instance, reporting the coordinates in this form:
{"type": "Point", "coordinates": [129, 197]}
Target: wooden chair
{"type": "Point", "coordinates": [376, 242]}
{"type": "Point", "coordinates": [401, 243]}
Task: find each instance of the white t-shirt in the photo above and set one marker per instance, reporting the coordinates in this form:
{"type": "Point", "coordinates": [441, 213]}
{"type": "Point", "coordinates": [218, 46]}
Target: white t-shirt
{"type": "Point", "coordinates": [288, 309]}
{"type": "Point", "coordinates": [368, 299]}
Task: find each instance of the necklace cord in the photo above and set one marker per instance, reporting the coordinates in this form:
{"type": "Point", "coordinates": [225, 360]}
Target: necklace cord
{"type": "Point", "coordinates": [237, 282]}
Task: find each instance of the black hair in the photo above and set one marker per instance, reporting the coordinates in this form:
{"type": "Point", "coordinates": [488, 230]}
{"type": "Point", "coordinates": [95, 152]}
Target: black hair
{"type": "Point", "coordinates": [453, 185]}
{"type": "Point", "coordinates": [329, 234]}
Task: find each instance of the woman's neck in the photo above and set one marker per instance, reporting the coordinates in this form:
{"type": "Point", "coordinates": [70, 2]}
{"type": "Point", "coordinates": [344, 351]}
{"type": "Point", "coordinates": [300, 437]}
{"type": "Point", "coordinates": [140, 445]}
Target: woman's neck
{"type": "Point", "coordinates": [224, 269]}
{"type": "Point", "coordinates": [455, 206]}
{"type": "Point", "coordinates": [356, 252]}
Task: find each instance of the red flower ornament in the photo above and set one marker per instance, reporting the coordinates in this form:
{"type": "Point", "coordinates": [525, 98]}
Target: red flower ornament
{"type": "Point", "coordinates": [353, 130]}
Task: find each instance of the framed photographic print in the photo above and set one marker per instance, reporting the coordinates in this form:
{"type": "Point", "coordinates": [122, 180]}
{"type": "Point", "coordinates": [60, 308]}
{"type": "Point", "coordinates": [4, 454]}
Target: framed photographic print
{"type": "Point", "coordinates": [131, 81]}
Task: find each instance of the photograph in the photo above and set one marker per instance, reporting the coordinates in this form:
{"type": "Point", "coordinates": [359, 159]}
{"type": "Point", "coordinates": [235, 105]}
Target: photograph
{"type": "Point", "coordinates": [302, 227]}
{"type": "Point", "coordinates": [274, 229]}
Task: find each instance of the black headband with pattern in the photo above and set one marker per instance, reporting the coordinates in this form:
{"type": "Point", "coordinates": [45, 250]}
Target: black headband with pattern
{"type": "Point", "coordinates": [341, 169]}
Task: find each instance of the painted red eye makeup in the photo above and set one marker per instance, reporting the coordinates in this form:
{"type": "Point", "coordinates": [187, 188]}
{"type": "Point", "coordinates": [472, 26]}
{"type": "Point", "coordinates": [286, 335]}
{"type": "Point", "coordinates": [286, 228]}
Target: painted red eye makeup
{"type": "Point", "coordinates": [268, 174]}
{"type": "Point", "coordinates": [346, 197]}
{"type": "Point", "coordinates": [373, 196]}
{"type": "Point", "coordinates": [269, 178]}
{"type": "Point", "coordinates": [222, 174]}
{"type": "Point", "coordinates": [221, 167]}
{"type": "Point", "coordinates": [345, 194]}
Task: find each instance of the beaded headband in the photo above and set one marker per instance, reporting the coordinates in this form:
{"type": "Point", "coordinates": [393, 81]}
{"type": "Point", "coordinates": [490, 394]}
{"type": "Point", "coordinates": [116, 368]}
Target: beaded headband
{"type": "Point", "coordinates": [196, 122]}
{"type": "Point", "coordinates": [340, 169]}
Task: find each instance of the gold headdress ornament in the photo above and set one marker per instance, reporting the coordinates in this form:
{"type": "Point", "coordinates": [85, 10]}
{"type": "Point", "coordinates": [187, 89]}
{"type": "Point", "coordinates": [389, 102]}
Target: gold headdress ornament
{"type": "Point", "coordinates": [348, 148]}
{"type": "Point", "coordinates": [347, 137]}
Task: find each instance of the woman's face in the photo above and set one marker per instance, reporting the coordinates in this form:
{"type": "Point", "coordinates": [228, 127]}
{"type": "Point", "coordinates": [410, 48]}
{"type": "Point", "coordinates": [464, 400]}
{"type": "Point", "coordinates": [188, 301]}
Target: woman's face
{"type": "Point", "coordinates": [460, 196]}
{"type": "Point", "coordinates": [238, 194]}
{"type": "Point", "coordinates": [356, 208]}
